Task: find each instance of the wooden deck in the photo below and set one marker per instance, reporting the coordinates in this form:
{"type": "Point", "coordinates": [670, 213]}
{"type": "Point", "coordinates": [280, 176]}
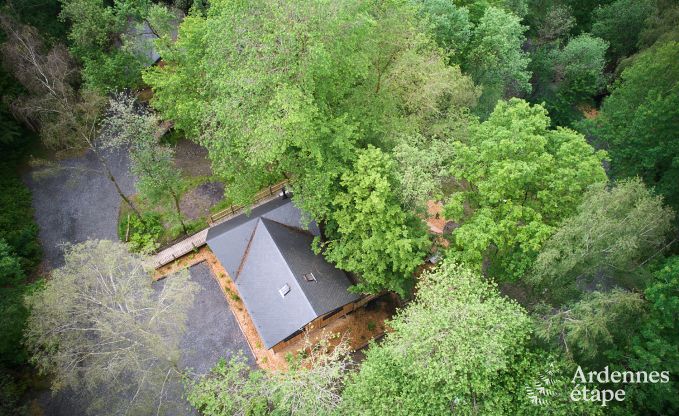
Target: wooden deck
{"type": "Point", "coordinates": [180, 249]}
{"type": "Point", "coordinates": [198, 240]}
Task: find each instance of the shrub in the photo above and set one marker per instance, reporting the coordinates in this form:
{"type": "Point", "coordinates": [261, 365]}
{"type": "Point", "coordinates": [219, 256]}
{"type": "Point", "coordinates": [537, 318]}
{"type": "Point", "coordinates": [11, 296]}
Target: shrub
{"type": "Point", "coordinates": [144, 236]}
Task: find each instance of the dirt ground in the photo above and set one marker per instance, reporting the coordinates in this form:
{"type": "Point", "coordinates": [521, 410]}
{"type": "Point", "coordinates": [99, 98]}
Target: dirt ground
{"type": "Point", "coordinates": [197, 202]}
{"type": "Point", "coordinates": [192, 158]}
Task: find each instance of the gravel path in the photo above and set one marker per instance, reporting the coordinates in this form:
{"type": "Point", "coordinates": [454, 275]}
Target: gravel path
{"type": "Point", "coordinates": [212, 333]}
{"type": "Point", "coordinates": [78, 202]}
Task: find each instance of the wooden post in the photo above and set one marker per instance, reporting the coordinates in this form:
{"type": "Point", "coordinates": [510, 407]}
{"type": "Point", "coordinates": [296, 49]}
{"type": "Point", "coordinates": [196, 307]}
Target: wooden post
{"type": "Point", "coordinates": [127, 232]}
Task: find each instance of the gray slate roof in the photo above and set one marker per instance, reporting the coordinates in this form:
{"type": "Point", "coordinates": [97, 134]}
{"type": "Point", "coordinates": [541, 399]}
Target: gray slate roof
{"type": "Point", "coordinates": [269, 249]}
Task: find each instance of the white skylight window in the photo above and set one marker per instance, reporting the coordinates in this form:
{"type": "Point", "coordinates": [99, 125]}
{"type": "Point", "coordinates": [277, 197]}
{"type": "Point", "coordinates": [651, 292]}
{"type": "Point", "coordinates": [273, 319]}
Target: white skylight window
{"type": "Point", "coordinates": [284, 290]}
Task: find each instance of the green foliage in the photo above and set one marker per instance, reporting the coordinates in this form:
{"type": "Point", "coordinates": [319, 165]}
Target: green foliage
{"type": "Point", "coordinates": [662, 25]}
{"type": "Point", "coordinates": [144, 236]}
{"type": "Point", "coordinates": [41, 14]}
{"type": "Point", "coordinates": [550, 21]}
{"type": "Point", "coordinates": [10, 396]}
{"type": "Point", "coordinates": [622, 330]}
{"type": "Point", "coordinates": [111, 59]}
{"type": "Point", "coordinates": [450, 26]}
{"type": "Point", "coordinates": [91, 25]}
{"type": "Point", "coordinates": [373, 236]}
{"type": "Point", "coordinates": [656, 344]}
{"type": "Point", "coordinates": [309, 387]}
{"type": "Point", "coordinates": [100, 328]}
{"type": "Point", "coordinates": [620, 23]}
{"type": "Point", "coordinates": [478, 7]}
{"type": "Point", "coordinates": [159, 179]}
{"type": "Point", "coordinates": [422, 164]}
{"type": "Point", "coordinates": [495, 59]}
{"type": "Point", "coordinates": [295, 89]}
{"type": "Point", "coordinates": [17, 227]}
{"type": "Point", "coordinates": [582, 11]}
{"type": "Point", "coordinates": [135, 127]}
{"type": "Point", "coordinates": [111, 72]}
{"type": "Point", "coordinates": [639, 120]}
{"type": "Point", "coordinates": [19, 255]}
{"type": "Point", "coordinates": [579, 75]}
{"type": "Point", "coordinates": [213, 395]}
{"type": "Point", "coordinates": [520, 181]}
{"type": "Point", "coordinates": [12, 310]}
{"type": "Point", "coordinates": [614, 232]}
{"type": "Point", "coordinates": [595, 323]}
{"type": "Point", "coordinates": [453, 347]}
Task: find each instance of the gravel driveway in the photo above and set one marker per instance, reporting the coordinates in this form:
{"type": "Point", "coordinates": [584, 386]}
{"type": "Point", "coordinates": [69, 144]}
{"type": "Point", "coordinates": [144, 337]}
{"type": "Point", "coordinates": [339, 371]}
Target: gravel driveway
{"type": "Point", "coordinates": [212, 332]}
{"type": "Point", "coordinates": [78, 202]}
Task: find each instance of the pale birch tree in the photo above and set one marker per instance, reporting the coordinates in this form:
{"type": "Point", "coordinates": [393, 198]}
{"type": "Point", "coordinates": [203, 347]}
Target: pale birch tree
{"type": "Point", "coordinates": [65, 117]}
{"type": "Point", "coordinates": [101, 328]}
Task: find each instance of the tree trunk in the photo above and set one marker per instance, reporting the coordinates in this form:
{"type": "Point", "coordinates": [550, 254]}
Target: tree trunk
{"type": "Point", "coordinates": [115, 183]}
{"type": "Point", "coordinates": [175, 197]}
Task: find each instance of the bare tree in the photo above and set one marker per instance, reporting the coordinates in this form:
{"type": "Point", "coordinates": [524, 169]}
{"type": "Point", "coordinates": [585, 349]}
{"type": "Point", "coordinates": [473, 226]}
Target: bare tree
{"type": "Point", "coordinates": [100, 327]}
{"type": "Point", "coordinates": [64, 117]}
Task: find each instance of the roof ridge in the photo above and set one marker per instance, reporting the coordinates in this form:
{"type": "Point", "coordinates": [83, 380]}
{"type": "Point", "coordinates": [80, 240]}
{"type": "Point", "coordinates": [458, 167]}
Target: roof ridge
{"type": "Point", "coordinates": [247, 250]}
{"type": "Point", "coordinates": [285, 260]}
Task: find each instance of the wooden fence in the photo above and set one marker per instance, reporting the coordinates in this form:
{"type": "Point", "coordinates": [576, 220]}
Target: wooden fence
{"type": "Point", "coordinates": [198, 239]}
{"type": "Point", "coordinates": [262, 196]}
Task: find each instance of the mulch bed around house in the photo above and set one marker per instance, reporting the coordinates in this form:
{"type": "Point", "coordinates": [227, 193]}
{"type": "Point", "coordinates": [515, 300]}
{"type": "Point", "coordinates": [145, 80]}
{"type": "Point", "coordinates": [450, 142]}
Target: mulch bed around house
{"type": "Point", "coordinates": [359, 327]}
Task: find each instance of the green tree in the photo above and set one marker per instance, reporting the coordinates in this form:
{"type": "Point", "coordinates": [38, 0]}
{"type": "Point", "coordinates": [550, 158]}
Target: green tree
{"type": "Point", "coordinates": [639, 120]}
{"type": "Point", "coordinates": [614, 232]}
{"type": "Point", "coordinates": [519, 180]}
{"type": "Point", "coordinates": [449, 351]}
{"type": "Point", "coordinates": [370, 233]}
{"type": "Point", "coordinates": [583, 11]}
{"type": "Point", "coordinates": [421, 168]}
{"type": "Point", "coordinates": [655, 346]}
{"type": "Point", "coordinates": [65, 117]}
{"type": "Point", "coordinates": [620, 23]}
{"type": "Point", "coordinates": [102, 37]}
{"type": "Point", "coordinates": [662, 25]}
{"type": "Point", "coordinates": [135, 127]}
{"type": "Point", "coordinates": [585, 329]}
{"type": "Point", "coordinates": [450, 26]}
{"type": "Point", "coordinates": [550, 21]}
{"type": "Point", "coordinates": [295, 89]}
{"type": "Point", "coordinates": [496, 60]}
{"type": "Point", "coordinates": [12, 289]}
{"type": "Point", "coordinates": [579, 77]}
{"type": "Point", "coordinates": [100, 327]}
{"type": "Point", "coordinates": [311, 385]}
{"type": "Point", "coordinates": [478, 7]}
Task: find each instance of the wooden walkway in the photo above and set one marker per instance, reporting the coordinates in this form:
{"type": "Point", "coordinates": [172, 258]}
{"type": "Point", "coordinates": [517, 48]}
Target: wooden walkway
{"type": "Point", "coordinates": [198, 240]}
{"type": "Point", "coordinates": [180, 249]}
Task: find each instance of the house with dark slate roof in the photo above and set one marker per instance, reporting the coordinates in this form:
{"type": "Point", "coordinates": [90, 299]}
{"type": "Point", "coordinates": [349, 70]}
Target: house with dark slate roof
{"type": "Point", "coordinates": [284, 286]}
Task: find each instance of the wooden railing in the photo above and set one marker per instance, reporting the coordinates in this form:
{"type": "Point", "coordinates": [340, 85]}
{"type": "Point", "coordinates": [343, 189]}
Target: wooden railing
{"type": "Point", "coordinates": [233, 210]}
